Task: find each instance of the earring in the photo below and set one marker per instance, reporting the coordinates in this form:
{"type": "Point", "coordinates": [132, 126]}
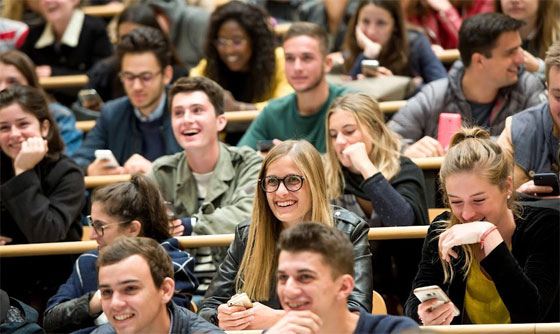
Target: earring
{"type": "Point", "coordinates": [508, 197]}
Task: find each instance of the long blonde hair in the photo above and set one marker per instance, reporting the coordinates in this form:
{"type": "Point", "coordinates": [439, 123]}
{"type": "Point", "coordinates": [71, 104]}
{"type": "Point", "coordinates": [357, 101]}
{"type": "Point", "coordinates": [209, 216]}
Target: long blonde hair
{"type": "Point", "coordinates": [385, 143]}
{"type": "Point", "coordinates": [257, 270]}
{"type": "Point", "coordinates": [471, 149]}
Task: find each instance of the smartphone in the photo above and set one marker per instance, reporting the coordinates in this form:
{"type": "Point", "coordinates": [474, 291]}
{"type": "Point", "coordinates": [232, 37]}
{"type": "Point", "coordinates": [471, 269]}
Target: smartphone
{"type": "Point", "coordinates": [107, 155]}
{"type": "Point", "coordinates": [449, 124]}
{"type": "Point", "coordinates": [370, 64]}
{"type": "Point", "coordinates": [264, 145]}
{"type": "Point", "coordinates": [240, 300]}
{"type": "Point", "coordinates": [89, 98]}
{"type": "Point", "coordinates": [433, 291]}
{"type": "Point", "coordinates": [547, 179]}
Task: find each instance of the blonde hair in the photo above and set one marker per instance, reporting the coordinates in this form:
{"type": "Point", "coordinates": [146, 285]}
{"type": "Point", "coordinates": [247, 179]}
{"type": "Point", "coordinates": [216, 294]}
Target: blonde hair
{"type": "Point", "coordinates": [385, 143]}
{"type": "Point", "coordinates": [472, 150]}
{"type": "Point", "coordinates": [257, 270]}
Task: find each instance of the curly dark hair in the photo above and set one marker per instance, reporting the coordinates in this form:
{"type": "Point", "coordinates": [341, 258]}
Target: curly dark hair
{"type": "Point", "coordinates": [254, 20]}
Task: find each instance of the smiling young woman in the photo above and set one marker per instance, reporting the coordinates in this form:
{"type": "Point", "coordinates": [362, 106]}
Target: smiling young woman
{"type": "Point", "coordinates": [497, 260]}
{"type": "Point", "coordinates": [292, 190]}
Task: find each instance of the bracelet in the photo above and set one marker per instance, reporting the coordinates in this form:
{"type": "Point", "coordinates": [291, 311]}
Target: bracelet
{"type": "Point", "coordinates": [488, 231]}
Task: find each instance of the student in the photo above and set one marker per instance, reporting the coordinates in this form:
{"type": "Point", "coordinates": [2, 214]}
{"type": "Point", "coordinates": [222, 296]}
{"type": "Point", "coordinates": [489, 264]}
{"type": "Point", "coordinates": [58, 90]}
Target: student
{"type": "Point", "coordinates": [531, 137]}
{"type": "Point", "coordinates": [541, 29]}
{"type": "Point", "coordinates": [69, 42]}
{"type": "Point", "coordinates": [240, 55]}
{"type": "Point", "coordinates": [133, 209]}
{"type": "Point", "coordinates": [300, 115]}
{"type": "Point", "coordinates": [41, 194]}
{"type": "Point", "coordinates": [377, 31]}
{"type": "Point", "coordinates": [315, 276]}
{"type": "Point", "coordinates": [210, 185]}
{"type": "Point", "coordinates": [136, 127]}
{"type": "Point", "coordinates": [292, 189]}
{"type": "Point", "coordinates": [368, 176]}
{"type": "Point", "coordinates": [498, 261]}
{"type": "Point", "coordinates": [485, 87]}
{"type": "Point", "coordinates": [136, 287]}
{"type": "Point", "coordinates": [17, 69]}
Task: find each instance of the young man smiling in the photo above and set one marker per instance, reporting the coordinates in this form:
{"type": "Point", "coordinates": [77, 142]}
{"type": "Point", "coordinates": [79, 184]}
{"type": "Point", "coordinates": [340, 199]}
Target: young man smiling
{"type": "Point", "coordinates": [315, 277]}
{"type": "Point", "coordinates": [136, 285]}
{"type": "Point", "coordinates": [136, 127]}
{"type": "Point", "coordinates": [211, 185]}
{"type": "Point", "coordinates": [485, 87]}
{"type": "Point", "coordinates": [300, 115]}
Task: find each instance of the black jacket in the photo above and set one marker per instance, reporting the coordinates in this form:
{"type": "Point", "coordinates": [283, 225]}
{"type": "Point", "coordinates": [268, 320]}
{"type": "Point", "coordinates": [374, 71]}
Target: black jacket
{"type": "Point", "coordinates": [223, 285]}
{"type": "Point", "coordinates": [527, 278]}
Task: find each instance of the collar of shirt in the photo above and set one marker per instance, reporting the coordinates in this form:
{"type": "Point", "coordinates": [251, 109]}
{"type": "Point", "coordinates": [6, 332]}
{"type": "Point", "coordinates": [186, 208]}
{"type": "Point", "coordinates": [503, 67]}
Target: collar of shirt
{"type": "Point", "coordinates": [71, 35]}
{"type": "Point", "coordinates": [157, 113]}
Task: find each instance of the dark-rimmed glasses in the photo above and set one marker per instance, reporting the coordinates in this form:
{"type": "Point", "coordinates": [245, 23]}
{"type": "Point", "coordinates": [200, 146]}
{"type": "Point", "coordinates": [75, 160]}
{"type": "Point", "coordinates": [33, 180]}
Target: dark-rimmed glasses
{"type": "Point", "coordinates": [292, 182]}
{"type": "Point", "coordinates": [99, 228]}
{"type": "Point", "coordinates": [145, 77]}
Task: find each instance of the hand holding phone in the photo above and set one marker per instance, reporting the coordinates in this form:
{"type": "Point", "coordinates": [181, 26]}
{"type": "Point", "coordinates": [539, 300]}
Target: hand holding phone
{"type": "Point", "coordinates": [434, 292]}
{"type": "Point", "coordinates": [449, 124]}
{"type": "Point", "coordinates": [548, 180]}
{"type": "Point", "coordinates": [240, 300]}
{"type": "Point", "coordinates": [90, 99]}
{"type": "Point", "coordinates": [107, 155]}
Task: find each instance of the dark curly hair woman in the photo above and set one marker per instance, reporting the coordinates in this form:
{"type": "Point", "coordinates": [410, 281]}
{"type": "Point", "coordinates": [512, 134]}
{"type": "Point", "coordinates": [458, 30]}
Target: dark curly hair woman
{"type": "Point", "coordinates": [237, 29]}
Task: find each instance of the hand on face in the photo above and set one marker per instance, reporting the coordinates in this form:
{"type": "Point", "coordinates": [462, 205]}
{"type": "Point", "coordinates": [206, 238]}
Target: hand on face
{"type": "Point", "coordinates": [371, 48]}
{"type": "Point", "coordinates": [461, 234]}
{"type": "Point", "coordinates": [531, 63]}
{"type": "Point", "coordinates": [295, 322]}
{"type": "Point", "coordinates": [442, 315]}
{"type": "Point", "coordinates": [137, 164]}
{"type": "Point", "coordinates": [358, 156]}
{"type": "Point", "coordinates": [176, 228]}
{"type": "Point", "coordinates": [424, 148]}
{"type": "Point", "coordinates": [32, 151]}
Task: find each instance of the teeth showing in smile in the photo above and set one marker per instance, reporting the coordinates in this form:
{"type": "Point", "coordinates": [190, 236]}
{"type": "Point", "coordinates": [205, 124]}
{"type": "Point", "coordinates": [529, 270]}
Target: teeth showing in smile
{"type": "Point", "coordinates": [190, 132]}
{"type": "Point", "coordinates": [285, 203]}
{"type": "Point", "coordinates": [295, 305]}
{"type": "Point", "coordinates": [123, 317]}
{"type": "Point", "coordinates": [232, 59]}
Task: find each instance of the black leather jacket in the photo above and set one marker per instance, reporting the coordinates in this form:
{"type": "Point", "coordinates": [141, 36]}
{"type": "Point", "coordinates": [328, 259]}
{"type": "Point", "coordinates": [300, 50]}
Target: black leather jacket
{"type": "Point", "coordinates": [223, 285]}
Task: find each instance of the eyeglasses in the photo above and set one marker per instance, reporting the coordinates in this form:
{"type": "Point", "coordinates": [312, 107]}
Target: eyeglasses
{"type": "Point", "coordinates": [98, 227]}
{"type": "Point", "coordinates": [145, 77]}
{"type": "Point", "coordinates": [292, 182]}
{"type": "Point", "coordinates": [235, 42]}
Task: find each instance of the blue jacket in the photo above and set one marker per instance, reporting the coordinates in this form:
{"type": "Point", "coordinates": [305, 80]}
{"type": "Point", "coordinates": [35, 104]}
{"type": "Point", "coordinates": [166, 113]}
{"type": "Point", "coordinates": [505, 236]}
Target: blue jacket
{"type": "Point", "coordinates": [117, 129]}
{"type": "Point", "coordinates": [66, 122]}
{"type": "Point", "coordinates": [69, 309]}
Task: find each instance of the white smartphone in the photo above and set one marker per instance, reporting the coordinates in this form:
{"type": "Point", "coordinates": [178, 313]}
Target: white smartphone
{"type": "Point", "coordinates": [107, 155]}
{"type": "Point", "coordinates": [240, 300]}
{"type": "Point", "coordinates": [433, 291]}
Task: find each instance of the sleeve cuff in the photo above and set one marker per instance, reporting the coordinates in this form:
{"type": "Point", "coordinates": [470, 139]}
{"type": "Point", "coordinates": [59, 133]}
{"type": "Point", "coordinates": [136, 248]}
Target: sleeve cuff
{"type": "Point", "coordinates": [188, 223]}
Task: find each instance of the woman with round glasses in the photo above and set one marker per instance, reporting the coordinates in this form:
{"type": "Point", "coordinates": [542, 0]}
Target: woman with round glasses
{"type": "Point", "coordinates": [41, 194]}
{"type": "Point", "coordinates": [134, 209]}
{"type": "Point", "coordinates": [292, 190]}
{"type": "Point", "coordinates": [368, 176]}
{"type": "Point", "coordinates": [241, 56]}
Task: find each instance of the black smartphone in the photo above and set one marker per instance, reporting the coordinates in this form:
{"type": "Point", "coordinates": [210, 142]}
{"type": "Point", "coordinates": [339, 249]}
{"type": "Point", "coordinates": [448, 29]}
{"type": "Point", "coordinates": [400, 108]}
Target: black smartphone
{"type": "Point", "coordinates": [89, 98]}
{"type": "Point", "coordinates": [547, 179]}
{"type": "Point", "coordinates": [264, 145]}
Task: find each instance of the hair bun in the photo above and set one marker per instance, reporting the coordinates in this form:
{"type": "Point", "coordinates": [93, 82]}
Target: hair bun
{"type": "Point", "coordinates": [468, 133]}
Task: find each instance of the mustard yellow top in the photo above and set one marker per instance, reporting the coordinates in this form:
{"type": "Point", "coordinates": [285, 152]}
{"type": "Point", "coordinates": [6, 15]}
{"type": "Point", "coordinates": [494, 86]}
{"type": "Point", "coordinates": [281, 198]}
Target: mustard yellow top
{"type": "Point", "coordinates": [280, 86]}
{"type": "Point", "coordinates": [482, 301]}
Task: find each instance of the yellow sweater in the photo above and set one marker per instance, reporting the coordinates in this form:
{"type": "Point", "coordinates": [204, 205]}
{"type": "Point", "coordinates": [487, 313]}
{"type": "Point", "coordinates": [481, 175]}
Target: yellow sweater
{"type": "Point", "coordinates": [280, 86]}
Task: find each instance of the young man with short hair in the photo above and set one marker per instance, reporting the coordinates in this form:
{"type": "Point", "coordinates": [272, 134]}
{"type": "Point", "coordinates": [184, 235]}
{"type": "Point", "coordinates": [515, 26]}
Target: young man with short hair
{"type": "Point", "coordinates": [211, 185]}
{"type": "Point", "coordinates": [485, 87]}
{"type": "Point", "coordinates": [532, 137]}
{"type": "Point", "coordinates": [299, 115]}
{"type": "Point", "coordinates": [136, 127]}
{"type": "Point", "coordinates": [315, 277]}
{"type": "Point", "coordinates": [136, 285]}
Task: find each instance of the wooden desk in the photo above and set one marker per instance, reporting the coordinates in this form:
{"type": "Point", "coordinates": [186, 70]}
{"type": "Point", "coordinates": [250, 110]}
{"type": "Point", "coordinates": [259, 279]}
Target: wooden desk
{"type": "Point", "coordinates": [77, 247]}
{"type": "Point", "coordinates": [102, 180]}
{"type": "Point", "coordinates": [61, 81]}
{"type": "Point", "coordinates": [448, 56]}
{"type": "Point", "coordinates": [249, 115]}
{"type": "Point", "coordinates": [108, 10]}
